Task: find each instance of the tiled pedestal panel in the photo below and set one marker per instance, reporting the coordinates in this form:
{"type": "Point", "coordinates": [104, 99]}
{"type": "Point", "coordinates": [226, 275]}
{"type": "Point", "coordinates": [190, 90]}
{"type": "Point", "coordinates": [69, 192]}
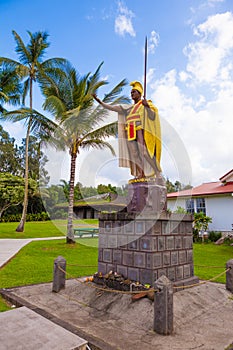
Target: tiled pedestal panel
{"type": "Point", "coordinates": [143, 248]}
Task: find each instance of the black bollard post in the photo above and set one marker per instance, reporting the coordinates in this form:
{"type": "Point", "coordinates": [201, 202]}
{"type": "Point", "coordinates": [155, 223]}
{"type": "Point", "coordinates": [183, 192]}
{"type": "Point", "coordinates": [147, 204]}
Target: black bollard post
{"type": "Point", "coordinates": [163, 306]}
{"type": "Point", "coordinates": [59, 276]}
{"type": "Point", "coordinates": [229, 276]}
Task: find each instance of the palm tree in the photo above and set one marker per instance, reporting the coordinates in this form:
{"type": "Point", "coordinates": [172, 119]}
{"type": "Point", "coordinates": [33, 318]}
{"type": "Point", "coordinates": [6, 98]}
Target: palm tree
{"type": "Point", "coordinates": [69, 99]}
{"type": "Point", "coordinates": [29, 68]}
{"type": "Point", "coordinates": [66, 188]}
{"type": "Point", "coordinates": [10, 87]}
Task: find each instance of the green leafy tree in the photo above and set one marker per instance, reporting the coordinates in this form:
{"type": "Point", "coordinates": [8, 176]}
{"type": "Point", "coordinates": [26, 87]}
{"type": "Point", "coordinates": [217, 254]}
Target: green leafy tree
{"type": "Point", "coordinates": [66, 188]}
{"type": "Point", "coordinates": [12, 190]}
{"type": "Point", "coordinates": [201, 224]}
{"type": "Point", "coordinates": [88, 191]}
{"type": "Point", "coordinates": [69, 98]}
{"type": "Point", "coordinates": [176, 187]}
{"type": "Point", "coordinates": [78, 191]}
{"type": "Point", "coordinates": [53, 196]}
{"type": "Point", "coordinates": [170, 186]}
{"type": "Point", "coordinates": [101, 189]}
{"type": "Point", "coordinates": [9, 154]}
{"type": "Point", "coordinates": [30, 68]}
{"type": "Point", "coordinates": [36, 160]}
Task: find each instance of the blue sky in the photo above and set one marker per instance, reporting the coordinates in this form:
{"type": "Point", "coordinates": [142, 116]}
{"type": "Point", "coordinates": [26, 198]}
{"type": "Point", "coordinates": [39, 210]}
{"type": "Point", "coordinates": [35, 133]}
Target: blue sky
{"type": "Point", "coordinates": [190, 72]}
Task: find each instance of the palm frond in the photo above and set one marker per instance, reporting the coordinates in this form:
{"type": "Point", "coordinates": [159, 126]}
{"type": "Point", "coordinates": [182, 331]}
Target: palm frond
{"type": "Point", "coordinates": [21, 49]}
{"type": "Point", "coordinates": [97, 116]}
{"type": "Point", "coordinates": [17, 115]}
{"type": "Point", "coordinates": [26, 85]}
{"type": "Point", "coordinates": [77, 123]}
{"type": "Point", "coordinates": [112, 96]}
{"type": "Point", "coordinates": [102, 132]}
{"type": "Point", "coordinates": [9, 62]}
{"type": "Point", "coordinates": [10, 87]}
{"type": "Point", "coordinates": [55, 106]}
{"type": "Point", "coordinates": [94, 81]}
{"type": "Point", "coordinates": [3, 97]}
{"type": "Point", "coordinates": [37, 45]}
{"type": "Point", "coordinates": [58, 139]}
{"type": "Point", "coordinates": [55, 62]}
{"type": "Point", "coordinates": [60, 83]}
{"type": "Point", "coordinates": [41, 126]}
{"type": "Point", "coordinates": [97, 144]}
{"type": "Point", "coordinates": [48, 84]}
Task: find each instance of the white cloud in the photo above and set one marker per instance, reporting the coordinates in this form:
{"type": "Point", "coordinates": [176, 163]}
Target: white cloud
{"type": "Point", "coordinates": [203, 124]}
{"type": "Point", "coordinates": [150, 75]}
{"type": "Point", "coordinates": [205, 5]}
{"type": "Point", "coordinates": [207, 55]}
{"type": "Point", "coordinates": [212, 3]}
{"type": "Point", "coordinates": [123, 21]}
{"type": "Point", "coordinates": [16, 130]}
{"type": "Point", "coordinates": [153, 42]}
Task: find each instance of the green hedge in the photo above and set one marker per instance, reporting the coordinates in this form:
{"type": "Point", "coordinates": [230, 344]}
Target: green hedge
{"type": "Point", "coordinates": [43, 216]}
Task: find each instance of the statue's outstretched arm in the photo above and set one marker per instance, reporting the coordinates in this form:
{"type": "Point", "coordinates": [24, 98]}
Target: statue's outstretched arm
{"type": "Point", "coordinates": [116, 108]}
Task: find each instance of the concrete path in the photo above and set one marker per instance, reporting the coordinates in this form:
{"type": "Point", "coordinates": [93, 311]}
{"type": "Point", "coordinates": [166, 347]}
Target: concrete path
{"type": "Point", "coordinates": [10, 247]}
{"type": "Point", "coordinates": [28, 329]}
{"type": "Point", "coordinates": [25, 329]}
{"type": "Point", "coordinates": [203, 316]}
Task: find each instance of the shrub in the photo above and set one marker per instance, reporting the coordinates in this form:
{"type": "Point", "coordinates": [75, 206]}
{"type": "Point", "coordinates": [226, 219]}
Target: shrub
{"type": "Point", "coordinates": [59, 214]}
{"type": "Point", "coordinates": [43, 216]}
{"type": "Point", "coordinates": [228, 240]}
{"type": "Point", "coordinates": [213, 236]}
{"type": "Point", "coordinates": [180, 210]}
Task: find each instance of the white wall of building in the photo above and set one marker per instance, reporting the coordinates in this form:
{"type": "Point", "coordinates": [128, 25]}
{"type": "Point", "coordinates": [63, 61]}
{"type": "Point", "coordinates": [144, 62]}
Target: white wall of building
{"type": "Point", "coordinates": [219, 208]}
{"type": "Point", "coordinates": [173, 204]}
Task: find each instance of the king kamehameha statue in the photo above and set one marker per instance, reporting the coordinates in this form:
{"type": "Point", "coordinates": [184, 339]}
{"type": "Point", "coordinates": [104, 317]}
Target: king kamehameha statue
{"type": "Point", "coordinates": [139, 135]}
{"type": "Point", "coordinates": [144, 241]}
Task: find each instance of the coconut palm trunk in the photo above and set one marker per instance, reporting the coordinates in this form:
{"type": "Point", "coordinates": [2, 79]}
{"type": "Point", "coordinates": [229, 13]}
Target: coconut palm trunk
{"type": "Point", "coordinates": [20, 227]}
{"type": "Point", "coordinates": [70, 232]}
{"type": "Point", "coordinates": [69, 98]}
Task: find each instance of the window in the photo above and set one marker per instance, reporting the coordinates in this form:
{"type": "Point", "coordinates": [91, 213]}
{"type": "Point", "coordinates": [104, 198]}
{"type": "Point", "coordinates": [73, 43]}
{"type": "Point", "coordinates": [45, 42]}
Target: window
{"type": "Point", "coordinates": [201, 205]}
{"type": "Point", "coordinates": [189, 204]}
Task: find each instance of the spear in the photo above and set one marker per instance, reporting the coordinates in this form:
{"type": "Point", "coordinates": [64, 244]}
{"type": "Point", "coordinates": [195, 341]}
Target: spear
{"type": "Point", "coordinates": [145, 68]}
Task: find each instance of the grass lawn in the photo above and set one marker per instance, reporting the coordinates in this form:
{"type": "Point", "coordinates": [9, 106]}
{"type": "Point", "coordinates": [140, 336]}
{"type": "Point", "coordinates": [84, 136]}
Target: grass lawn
{"type": "Point", "coordinates": [34, 263]}
{"type": "Point", "coordinates": [34, 229]}
{"type": "Point", "coordinates": [211, 255]}
{"type": "Point", "coordinates": [4, 305]}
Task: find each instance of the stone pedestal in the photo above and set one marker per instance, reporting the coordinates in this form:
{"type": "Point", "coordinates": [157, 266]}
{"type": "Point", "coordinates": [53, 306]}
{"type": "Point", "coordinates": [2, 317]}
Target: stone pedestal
{"type": "Point", "coordinates": [149, 196]}
{"type": "Point", "coordinates": [144, 246]}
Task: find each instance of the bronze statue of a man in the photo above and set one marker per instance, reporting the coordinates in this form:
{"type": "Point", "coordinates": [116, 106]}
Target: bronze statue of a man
{"type": "Point", "coordinates": [139, 135]}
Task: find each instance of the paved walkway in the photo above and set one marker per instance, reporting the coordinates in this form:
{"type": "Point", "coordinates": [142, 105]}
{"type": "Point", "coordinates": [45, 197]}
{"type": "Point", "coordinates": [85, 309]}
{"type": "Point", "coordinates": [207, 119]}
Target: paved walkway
{"type": "Point", "coordinates": [29, 330]}
{"type": "Point", "coordinates": [10, 247]}
{"type": "Point", "coordinates": [25, 329]}
{"type": "Point", "coordinates": [203, 316]}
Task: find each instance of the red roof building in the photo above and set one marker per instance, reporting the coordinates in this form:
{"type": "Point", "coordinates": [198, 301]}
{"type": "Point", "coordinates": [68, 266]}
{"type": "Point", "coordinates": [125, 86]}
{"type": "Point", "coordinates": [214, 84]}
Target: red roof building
{"type": "Point", "coordinates": [215, 199]}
